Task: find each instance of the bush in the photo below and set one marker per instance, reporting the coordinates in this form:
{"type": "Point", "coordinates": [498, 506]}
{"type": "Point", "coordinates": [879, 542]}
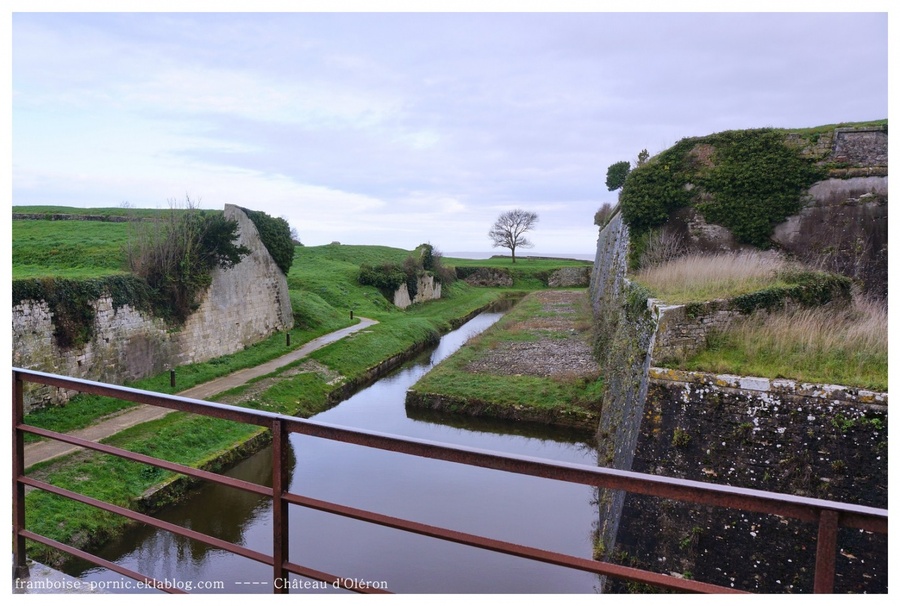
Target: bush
{"type": "Point", "coordinates": [276, 237]}
{"type": "Point", "coordinates": [176, 255]}
{"type": "Point", "coordinates": [747, 181]}
{"type": "Point", "coordinates": [604, 214]}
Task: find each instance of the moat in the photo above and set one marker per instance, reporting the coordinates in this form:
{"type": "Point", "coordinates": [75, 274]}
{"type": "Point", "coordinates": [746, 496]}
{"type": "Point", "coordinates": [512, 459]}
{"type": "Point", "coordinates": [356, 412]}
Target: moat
{"type": "Point", "coordinates": [541, 513]}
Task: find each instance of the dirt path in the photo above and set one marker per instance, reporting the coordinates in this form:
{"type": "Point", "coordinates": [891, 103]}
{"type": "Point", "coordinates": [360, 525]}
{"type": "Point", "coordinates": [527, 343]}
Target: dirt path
{"type": "Point", "coordinates": [50, 449]}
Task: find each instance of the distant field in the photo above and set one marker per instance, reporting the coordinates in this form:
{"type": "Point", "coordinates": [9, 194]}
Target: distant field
{"type": "Point", "coordinates": [70, 249]}
{"type": "Point", "coordinates": [102, 212]}
{"type": "Point", "coordinates": [522, 263]}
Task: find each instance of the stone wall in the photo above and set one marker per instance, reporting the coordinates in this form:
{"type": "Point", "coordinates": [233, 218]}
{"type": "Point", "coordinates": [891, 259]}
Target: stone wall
{"type": "Point", "coordinates": [624, 338]}
{"type": "Point", "coordinates": [823, 441]}
{"type": "Point", "coordinates": [570, 277]}
{"type": "Point", "coordinates": [819, 441]}
{"type": "Point", "coordinates": [243, 305]}
{"type": "Point", "coordinates": [427, 289]}
{"type": "Point", "coordinates": [843, 227]}
{"type": "Point", "coordinates": [864, 147]}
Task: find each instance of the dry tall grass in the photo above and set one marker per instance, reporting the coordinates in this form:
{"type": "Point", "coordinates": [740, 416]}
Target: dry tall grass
{"type": "Point", "coordinates": [705, 277]}
{"type": "Point", "coordinates": [846, 346]}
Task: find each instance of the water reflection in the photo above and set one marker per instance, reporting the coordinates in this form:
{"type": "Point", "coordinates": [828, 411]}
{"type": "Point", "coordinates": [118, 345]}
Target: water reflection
{"type": "Point", "coordinates": [533, 511]}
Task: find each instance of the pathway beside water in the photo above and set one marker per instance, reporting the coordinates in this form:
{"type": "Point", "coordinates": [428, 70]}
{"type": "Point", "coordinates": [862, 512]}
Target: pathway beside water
{"type": "Point", "coordinates": [542, 513]}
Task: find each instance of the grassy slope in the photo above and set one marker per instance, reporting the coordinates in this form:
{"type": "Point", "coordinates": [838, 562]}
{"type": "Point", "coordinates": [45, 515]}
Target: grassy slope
{"type": "Point", "coordinates": [69, 249]}
{"type": "Point", "coordinates": [323, 290]}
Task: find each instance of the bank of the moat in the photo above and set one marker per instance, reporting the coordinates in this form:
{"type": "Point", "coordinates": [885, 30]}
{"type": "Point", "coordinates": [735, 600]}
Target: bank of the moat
{"type": "Point", "coordinates": [157, 496]}
{"type": "Point", "coordinates": [812, 440]}
{"type": "Point", "coordinates": [536, 365]}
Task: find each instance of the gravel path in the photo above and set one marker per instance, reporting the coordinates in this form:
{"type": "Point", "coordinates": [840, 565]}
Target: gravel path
{"type": "Point", "coordinates": [558, 343]}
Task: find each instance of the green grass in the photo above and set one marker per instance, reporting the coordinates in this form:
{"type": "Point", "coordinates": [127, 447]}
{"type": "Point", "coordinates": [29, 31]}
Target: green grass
{"type": "Point", "coordinates": [70, 249]}
{"type": "Point", "coordinates": [818, 345]}
{"type": "Point", "coordinates": [527, 273]}
{"type": "Point", "coordinates": [101, 212]}
{"type": "Point", "coordinates": [523, 323]}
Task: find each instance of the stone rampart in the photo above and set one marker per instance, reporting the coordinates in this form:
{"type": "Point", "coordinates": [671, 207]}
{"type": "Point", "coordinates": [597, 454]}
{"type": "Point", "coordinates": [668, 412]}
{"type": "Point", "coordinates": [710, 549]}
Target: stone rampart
{"type": "Point", "coordinates": [243, 305]}
{"type": "Point", "coordinates": [427, 289]}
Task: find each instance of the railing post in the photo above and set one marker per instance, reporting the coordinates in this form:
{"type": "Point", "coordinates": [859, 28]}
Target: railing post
{"type": "Point", "coordinates": [826, 551]}
{"type": "Point", "coordinates": [20, 564]}
{"type": "Point", "coordinates": [280, 485]}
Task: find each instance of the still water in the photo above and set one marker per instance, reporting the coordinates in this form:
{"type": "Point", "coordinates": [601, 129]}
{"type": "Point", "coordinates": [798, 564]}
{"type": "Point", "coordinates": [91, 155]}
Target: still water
{"type": "Point", "coordinates": [541, 513]}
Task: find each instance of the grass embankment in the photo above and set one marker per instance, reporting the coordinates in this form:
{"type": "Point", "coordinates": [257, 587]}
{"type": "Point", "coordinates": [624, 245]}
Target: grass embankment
{"type": "Point", "coordinates": [494, 374]}
{"type": "Point", "coordinates": [829, 344]}
{"type": "Point", "coordinates": [819, 345]}
{"type": "Point", "coordinates": [698, 278]}
{"type": "Point", "coordinates": [527, 272]}
{"type": "Point", "coordinates": [323, 290]}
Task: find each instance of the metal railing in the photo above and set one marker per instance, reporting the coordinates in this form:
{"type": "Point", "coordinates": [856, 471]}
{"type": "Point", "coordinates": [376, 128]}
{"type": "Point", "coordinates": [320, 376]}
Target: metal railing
{"type": "Point", "coordinates": [830, 516]}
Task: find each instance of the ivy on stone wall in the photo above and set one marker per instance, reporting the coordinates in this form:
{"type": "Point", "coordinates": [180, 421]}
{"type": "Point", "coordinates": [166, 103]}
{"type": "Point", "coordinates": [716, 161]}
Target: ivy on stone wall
{"type": "Point", "coordinates": [275, 234]}
{"type": "Point", "coordinates": [71, 302]}
{"type": "Point", "coordinates": [747, 181]}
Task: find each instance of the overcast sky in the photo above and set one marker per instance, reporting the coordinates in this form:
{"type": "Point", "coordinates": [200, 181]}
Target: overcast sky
{"type": "Point", "coordinates": [398, 129]}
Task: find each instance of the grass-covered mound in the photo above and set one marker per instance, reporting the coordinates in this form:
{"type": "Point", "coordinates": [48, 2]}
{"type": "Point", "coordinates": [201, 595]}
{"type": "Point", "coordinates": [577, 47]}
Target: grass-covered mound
{"type": "Point", "coordinates": [535, 364]}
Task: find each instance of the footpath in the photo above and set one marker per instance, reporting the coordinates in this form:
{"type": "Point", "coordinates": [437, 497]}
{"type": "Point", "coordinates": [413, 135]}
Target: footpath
{"type": "Point", "coordinates": [51, 449]}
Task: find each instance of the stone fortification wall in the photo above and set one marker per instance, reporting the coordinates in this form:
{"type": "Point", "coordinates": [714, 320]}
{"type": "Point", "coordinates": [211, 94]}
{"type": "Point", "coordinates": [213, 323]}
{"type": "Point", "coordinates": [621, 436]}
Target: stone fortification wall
{"type": "Point", "coordinates": [861, 147]}
{"type": "Point", "coordinates": [243, 305]}
{"type": "Point", "coordinates": [427, 289]}
{"type": "Point", "coordinates": [819, 441]}
{"type": "Point", "coordinates": [822, 441]}
{"type": "Point", "coordinates": [624, 338]}
{"type": "Point", "coordinates": [843, 228]}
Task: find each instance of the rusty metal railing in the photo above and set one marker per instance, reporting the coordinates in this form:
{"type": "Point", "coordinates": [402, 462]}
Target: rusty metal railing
{"type": "Point", "coordinates": [828, 515]}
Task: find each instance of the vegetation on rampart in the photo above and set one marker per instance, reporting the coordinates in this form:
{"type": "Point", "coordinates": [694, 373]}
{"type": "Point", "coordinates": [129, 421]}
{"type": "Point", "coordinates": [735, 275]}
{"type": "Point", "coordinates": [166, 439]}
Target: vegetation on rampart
{"type": "Point", "coordinates": [834, 345]}
{"type": "Point", "coordinates": [275, 234]}
{"type": "Point", "coordinates": [796, 323]}
{"type": "Point", "coordinates": [748, 181]}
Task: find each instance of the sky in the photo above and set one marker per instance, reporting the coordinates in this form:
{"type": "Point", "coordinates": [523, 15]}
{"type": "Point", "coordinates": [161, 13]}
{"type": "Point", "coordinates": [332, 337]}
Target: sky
{"type": "Point", "coordinates": [400, 128]}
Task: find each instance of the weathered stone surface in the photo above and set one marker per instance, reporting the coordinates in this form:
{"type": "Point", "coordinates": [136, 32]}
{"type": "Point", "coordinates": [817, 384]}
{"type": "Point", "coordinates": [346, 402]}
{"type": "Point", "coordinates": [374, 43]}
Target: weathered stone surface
{"type": "Point", "coordinates": [772, 434]}
{"type": "Point", "coordinates": [488, 276]}
{"type": "Point", "coordinates": [570, 277]}
{"type": "Point", "coordinates": [243, 305]}
{"type": "Point", "coordinates": [427, 289]}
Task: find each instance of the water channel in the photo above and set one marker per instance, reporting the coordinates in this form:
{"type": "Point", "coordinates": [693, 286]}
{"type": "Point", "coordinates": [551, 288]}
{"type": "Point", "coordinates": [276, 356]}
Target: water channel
{"type": "Point", "coordinates": [542, 513]}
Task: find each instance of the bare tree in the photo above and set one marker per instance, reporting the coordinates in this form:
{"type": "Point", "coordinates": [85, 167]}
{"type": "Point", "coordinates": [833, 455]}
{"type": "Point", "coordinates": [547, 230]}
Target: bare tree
{"type": "Point", "coordinates": [509, 228]}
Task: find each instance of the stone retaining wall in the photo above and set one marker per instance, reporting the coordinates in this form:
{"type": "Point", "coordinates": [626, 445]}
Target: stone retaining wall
{"type": "Point", "coordinates": [243, 305]}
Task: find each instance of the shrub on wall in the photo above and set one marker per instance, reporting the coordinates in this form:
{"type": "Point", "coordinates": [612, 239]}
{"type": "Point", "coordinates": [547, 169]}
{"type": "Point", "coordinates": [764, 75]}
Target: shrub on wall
{"type": "Point", "coordinates": [747, 181]}
{"type": "Point", "coordinates": [176, 255]}
{"type": "Point", "coordinates": [387, 276]}
{"type": "Point", "coordinates": [275, 234]}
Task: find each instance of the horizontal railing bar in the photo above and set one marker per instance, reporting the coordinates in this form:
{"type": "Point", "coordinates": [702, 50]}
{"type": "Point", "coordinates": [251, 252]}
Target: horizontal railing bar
{"type": "Point", "coordinates": [146, 459]}
{"type": "Point", "coordinates": [140, 517]}
{"type": "Point", "coordinates": [156, 584]}
{"type": "Point", "coordinates": [784, 505]}
{"type": "Point", "coordinates": [801, 508]}
{"type": "Point", "coordinates": [210, 409]}
{"type": "Point", "coordinates": [318, 575]}
{"type": "Point", "coordinates": [523, 551]}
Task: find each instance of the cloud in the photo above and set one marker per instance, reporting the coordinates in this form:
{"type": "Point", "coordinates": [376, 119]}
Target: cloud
{"type": "Point", "coordinates": [404, 123]}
